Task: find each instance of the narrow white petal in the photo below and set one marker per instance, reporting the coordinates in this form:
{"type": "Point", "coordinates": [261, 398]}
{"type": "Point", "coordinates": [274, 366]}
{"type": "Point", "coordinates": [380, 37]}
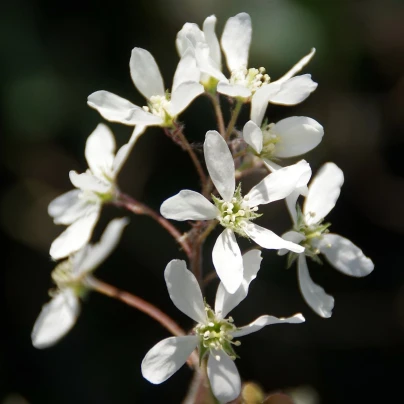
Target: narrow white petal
{"type": "Point", "coordinates": [137, 131]}
{"type": "Point", "coordinates": [268, 239]}
{"type": "Point", "coordinates": [66, 208]}
{"type": "Point", "coordinates": [183, 95]}
{"type": "Point", "coordinates": [116, 109]}
{"type": "Point", "coordinates": [260, 99]}
{"type": "Point", "coordinates": [225, 301]}
{"type": "Point", "coordinates": [223, 377]}
{"type": "Point", "coordinates": [186, 69]}
{"type": "Point", "coordinates": [313, 294]}
{"type": "Point", "coordinates": [212, 41]}
{"type": "Point", "coordinates": [345, 256]}
{"type": "Point", "coordinates": [323, 193]}
{"type": "Point", "coordinates": [263, 321]}
{"type": "Point", "coordinates": [121, 157]}
{"type": "Point", "coordinates": [96, 254]}
{"type": "Point", "coordinates": [145, 73]}
{"type": "Point", "coordinates": [298, 66]}
{"type": "Point", "coordinates": [100, 150]}
{"type": "Point", "coordinates": [291, 201]}
{"type": "Point", "coordinates": [228, 262]}
{"type": "Point", "coordinates": [220, 164]}
{"type": "Point", "coordinates": [298, 135]}
{"type": "Point", "coordinates": [292, 236]}
{"type": "Point", "coordinates": [271, 166]}
{"type": "Point", "coordinates": [279, 184]}
{"type": "Point", "coordinates": [188, 205]}
{"type": "Point", "coordinates": [293, 91]}
{"type": "Point", "coordinates": [236, 40]}
{"type": "Point", "coordinates": [233, 90]}
{"type": "Point", "coordinates": [206, 64]}
{"type": "Point", "coordinates": [184, 290]}
{"type": "Point", "coordinates": [76, 235]}
{"type": "Point", "coordinates": [56, 319]}
{"type": "Point", "coordinates": [252, 135]}
{"type": "Point", "coordinates": [89, 182]}
{"type": "Point", "coordinates": [166, 357]}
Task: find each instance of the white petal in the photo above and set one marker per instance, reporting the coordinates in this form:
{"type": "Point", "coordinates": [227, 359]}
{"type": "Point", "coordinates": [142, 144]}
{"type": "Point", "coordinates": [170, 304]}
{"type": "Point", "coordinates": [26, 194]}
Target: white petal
{"type": "Point", "coordinates": [184, 290]}
{"type": "Point", "coordinates": [223, 377]}
{"type": "Point", "coordinates": [345, 256]}
{"type": "Point", "coordinates": [186, 70]}
{"type": "Point", "coordinates": [188, 205]}
{"type": "Point", "coordinates": [137, 131]}
{"type": "Point", "coordinates": [56, 319]}
{"type": "Point", "coordinates": [212, 41]}
{"type": "Point", "coordinates": [226, 256]}
{"type": "Point", "coordinates": [279, 184]}
{"type": "Point", "coordinates": [323, 193]}
{"type": "Point", "coordinates": [166, 357]}
{"type": "Point", "coordinates": [183, 95]}
{"type": "Point", "coordinates": [291, 201]}
{"type": "Point", "coordinates": [259, 101]}
{"type": "Point", "coordinates": [298, 66]}
{"type": "Point", "coordinates": [206, 64]}
{"type": "Point", "coordinates": [271, 166]}
{"type": "Point", "coordinates": [96, 254]}
{"type": "Point", "coordinates": [76, 235]}
{"type": "Point", "coordinates": [293, 91]}
{"type": "Point", "coordinates": [233, 90]}
{"type": "Point", "coordinates": [121, 156]}
{"type": "Point", "coordinates": [313, 294]}
{"type": "Point", "coordinates": [189, 36]}
{"type": "Point", "coordinates": [226, 302]}
{"type": "Point", "coordinates": [236, 41]}
{"type": "Point", "coordinates": [66, 208]}
{"type": "Point", "coordinates": [89, 182]}
{"type": "Point", "coordinates": [100, 150]}
{"type": "Point", "coordinates": [116, 109]}
{"type": "Point", "coordinates": [268, 239]}
{"type": "Point", "coordinates": [220, 164]}
{"type": "Point", "coordinates": [263, 321]}
{"type": "Point", "coordinates": [292, 236]}
{"type": "Point", "coordinates": [298, 135]}
{"type": "Point", "coordinates": [252, 135]}
{"type": "Point", "coordinates": [145, 73]}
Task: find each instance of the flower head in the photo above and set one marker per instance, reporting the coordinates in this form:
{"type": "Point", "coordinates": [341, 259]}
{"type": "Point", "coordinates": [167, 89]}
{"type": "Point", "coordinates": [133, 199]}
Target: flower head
{"type": "Point", "coordinates": [80, 208]}
{"type": "Point", "coordinates": [58, 316]}
{"type": "Point", "coordinates": [215, 334]}
{"type": "Point", "coordinates": [311, 232]}
{"type": "Point", "coordinates": [235, 212]}
{"type": "Point", "coordinates": [162, 106]}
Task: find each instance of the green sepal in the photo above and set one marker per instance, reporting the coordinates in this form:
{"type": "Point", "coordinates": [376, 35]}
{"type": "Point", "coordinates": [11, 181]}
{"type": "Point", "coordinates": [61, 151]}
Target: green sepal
{"type": "Point", "coordinates": [292, 257]}
{"type": "Point", "coordinates": [203, 351]}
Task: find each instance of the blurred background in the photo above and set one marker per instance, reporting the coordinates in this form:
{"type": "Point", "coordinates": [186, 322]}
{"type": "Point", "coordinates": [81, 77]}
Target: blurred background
{"type": "Point", "coordinates": [54, 54]}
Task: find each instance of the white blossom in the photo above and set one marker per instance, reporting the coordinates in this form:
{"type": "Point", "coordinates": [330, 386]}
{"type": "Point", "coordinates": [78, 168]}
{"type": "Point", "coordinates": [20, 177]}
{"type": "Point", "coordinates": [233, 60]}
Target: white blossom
{"type": "Point", "coordinates": [80, 208]}
{"type": "Point", "coordinates": [311, 232]}
{"type": "Point", "coordinates": [162, 107]}
{"type": "Point", "coordinates": [244, 82]}
{"type": "Point", "coordinates": [235, 212]}
{"type": "Point", "coordinates": [214, 335]}
{"type": "Point", "coordinates": [58, 316]}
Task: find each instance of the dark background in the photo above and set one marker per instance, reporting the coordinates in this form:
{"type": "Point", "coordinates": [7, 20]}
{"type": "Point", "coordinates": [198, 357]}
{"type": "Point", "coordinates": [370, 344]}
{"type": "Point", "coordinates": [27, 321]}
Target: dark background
{"type": "Point", "coordinates": [54, 54]}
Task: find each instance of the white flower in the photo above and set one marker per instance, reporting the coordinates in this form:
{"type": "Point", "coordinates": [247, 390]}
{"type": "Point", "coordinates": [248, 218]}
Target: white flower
{"type": "Point", "coordinates": [235, 212]}
{"type": "Point", "coordinates": [162, 107]}
{"type": "Point", "coordinates": [214, 334]}
{"type": "Point", "coordinates": [80, 208]}
{"type": "Point", "coordinates": [59, 315]}
{"type": "Point", "coordinates": [289, 137]}
{"type": "Point", "coordinates": [244, 82]}
{"type": "Point", "coordinates": [312, 233]}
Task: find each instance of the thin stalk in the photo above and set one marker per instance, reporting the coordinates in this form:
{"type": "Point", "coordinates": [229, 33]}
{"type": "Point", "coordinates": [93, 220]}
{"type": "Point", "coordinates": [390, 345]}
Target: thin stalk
{"type": "Point", "coordinates": [233, 120]}
{"type": "Point", "coordinates": [140, 208]}
{"type": "Point", "coordinates": [218, 112]}
{"type": "Point", "coordinates": [142, 305]}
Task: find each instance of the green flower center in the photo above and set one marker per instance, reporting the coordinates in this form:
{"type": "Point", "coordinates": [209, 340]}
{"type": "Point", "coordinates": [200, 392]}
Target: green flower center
{"type": "Point", "coordinates": [216, 334]}
{"type": "Point", "coordinates": [269, 140]}
{"type": "Point", "coordinates": [235, 214]}
{"type": "Point", "coordinates": [252, 78]}
{"type": "Point", "coordinates": [159, 105]}
{"type": "Point", "coordinates": [64, 277]}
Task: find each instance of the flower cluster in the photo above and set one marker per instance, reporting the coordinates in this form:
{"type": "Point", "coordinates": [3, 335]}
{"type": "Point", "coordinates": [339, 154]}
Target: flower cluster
{"type": "Point", "coordinates": [229, 156]}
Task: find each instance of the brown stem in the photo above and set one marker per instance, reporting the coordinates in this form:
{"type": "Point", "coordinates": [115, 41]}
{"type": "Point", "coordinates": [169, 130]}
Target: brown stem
{"type": "Point", "coordinates": [142, 305]}
{"type": "Point", "coordinates": [182, 140]}
{"type": "Point", "coordinates": [218, 112]}
{"type": "Point", "coordinates": [140, 208]}
{"type": "Point", "coordinates": [233, 120]}
{"type": "Point", "coordinates": [209, 277]}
